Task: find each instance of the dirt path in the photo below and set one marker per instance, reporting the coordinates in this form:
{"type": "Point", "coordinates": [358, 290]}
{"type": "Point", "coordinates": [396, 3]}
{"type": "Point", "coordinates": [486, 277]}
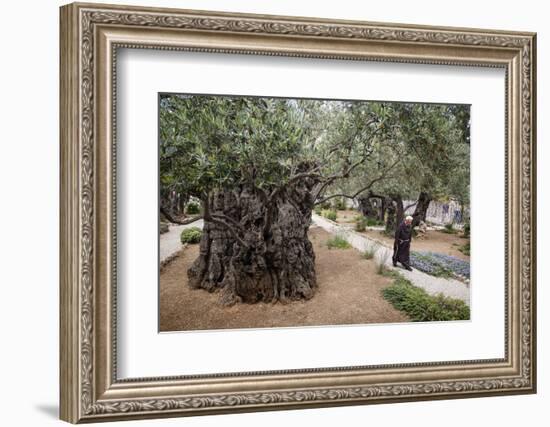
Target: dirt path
{"type": "Point", "coordinates": [433, 285]}
{"type": "Point", "coordinates": [170, 242]}
{"type": "Point", "coordinates": [349, 292]}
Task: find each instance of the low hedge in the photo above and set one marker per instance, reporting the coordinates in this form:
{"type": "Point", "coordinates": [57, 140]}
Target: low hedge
{"type": "Point", "coordinates": [422, 307]}
{"type": "Point", "coordinates": [192, 208]}
{"type": "Point", "coordinates": [191, 235]}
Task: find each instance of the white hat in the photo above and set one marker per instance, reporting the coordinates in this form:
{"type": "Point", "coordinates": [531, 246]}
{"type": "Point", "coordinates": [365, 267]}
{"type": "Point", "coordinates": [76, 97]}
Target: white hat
{"type": "Point", "coordinates": [409, 218]}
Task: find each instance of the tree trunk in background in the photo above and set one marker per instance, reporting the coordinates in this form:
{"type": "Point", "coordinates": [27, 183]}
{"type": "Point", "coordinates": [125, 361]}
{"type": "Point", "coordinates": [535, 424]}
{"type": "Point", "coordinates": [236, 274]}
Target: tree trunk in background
{"type": "Point", "coordinates": [400, 210]}
{"type": "Point", "coordinates": [267, 257]}
{"type": "Point", "coordinates": [395, 213]}
{"type": "Point", "coordinates": [366, 207]}
{"type": "Point", "coordinates": [173, 203]}
{"type": "Point", "coordinates": [383, 206]}
{"type": "Point", "coordinates": [421, 209]}
{"type": "Point", "coordinates": [390, 218]}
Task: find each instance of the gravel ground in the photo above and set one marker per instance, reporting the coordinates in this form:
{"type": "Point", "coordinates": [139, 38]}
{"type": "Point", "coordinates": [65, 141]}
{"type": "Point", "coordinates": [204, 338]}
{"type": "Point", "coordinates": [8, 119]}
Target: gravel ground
{"type": "Point", "coordinates": [349, 292]}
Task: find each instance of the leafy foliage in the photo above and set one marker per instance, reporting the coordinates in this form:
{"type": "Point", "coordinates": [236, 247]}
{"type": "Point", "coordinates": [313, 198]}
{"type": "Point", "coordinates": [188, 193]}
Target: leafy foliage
{"type": "Point", "coordinates": [192, 208]}
{"type": "Point", "coordinates": [366, 222]}
{"type": "Point", "coordinates": [329, 214]}
{"type": "Point", "coordinates": [191, 235]}
{"type": "Point", "coordinates": [339, 204]}
{"type": "Point", "coordinates": [431, 146]}
{"type": "Point", "coordinates": [448, 229]}
{"type": "Point", "coordinates": [371, 222]}
{"type": "Point", "coordinates": [422, 307]}
{"type": "Point", "coordinates": [344, 148]}
{"type": "Point", "coordinates": [209, 142]}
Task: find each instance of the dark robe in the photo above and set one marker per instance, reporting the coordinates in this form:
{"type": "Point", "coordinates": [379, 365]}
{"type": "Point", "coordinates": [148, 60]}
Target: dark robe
{"type": "Point", "coordinates": [402, 244]}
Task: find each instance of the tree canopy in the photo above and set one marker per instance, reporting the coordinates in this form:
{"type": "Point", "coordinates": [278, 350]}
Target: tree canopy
{"type": "Point", "coordinates": [213, 142]}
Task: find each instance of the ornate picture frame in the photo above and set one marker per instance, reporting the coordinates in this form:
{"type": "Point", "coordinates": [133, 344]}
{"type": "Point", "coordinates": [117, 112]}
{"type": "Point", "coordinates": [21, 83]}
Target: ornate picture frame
{"type": "Point", "coordinates": [90, 37]}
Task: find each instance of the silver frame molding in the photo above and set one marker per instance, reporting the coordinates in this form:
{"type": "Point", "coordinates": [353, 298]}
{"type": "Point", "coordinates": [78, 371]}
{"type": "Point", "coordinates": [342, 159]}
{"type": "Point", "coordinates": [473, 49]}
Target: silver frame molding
{"type": "Point", "coordinates": [90, 37]}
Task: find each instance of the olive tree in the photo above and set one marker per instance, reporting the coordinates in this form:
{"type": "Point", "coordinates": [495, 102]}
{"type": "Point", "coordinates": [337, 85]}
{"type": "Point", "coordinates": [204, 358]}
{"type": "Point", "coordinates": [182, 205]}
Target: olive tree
{"type": "Point", "coordinates": [431, 144]}
{"type": "Point", "coordinates": [259, 166]}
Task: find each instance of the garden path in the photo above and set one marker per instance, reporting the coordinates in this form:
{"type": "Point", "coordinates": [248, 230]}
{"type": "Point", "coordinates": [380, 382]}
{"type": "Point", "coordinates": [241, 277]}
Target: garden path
{"type": "Point", "coordinates": [432, 285]}
{"type": "Point", "coordinates": [170, 242]}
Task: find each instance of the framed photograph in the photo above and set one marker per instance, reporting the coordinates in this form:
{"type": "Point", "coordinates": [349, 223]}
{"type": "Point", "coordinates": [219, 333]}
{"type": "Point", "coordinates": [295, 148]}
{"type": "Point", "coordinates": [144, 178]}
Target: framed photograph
{"type": "Point", "coordinates": [267, 212]}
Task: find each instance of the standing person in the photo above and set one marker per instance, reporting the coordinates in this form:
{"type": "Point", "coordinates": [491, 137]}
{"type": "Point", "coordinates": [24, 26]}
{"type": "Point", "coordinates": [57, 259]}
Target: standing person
{"type": "Point", "coordinates": [402, 243]}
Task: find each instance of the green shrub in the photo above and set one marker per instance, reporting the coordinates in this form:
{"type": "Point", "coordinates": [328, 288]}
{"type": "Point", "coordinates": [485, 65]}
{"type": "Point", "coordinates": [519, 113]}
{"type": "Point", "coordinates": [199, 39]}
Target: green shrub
{"type": "Point", "coordinates": [339, 205]}
{"type": "Point", "coordinates": [371, 222]}
{"type": "Point", "coordinates": [329, 214]}
{"type": "Point", "coordinates": [318, 210]}
{"type": "Point", "coordinates": [338, 242]}
{"type": "Point", "coordinates": [192, 208]}
{"type": "Point", "coordinates": [420, 306]}
{"type": "Point", "coordinates": [191, 235]}
{"type": "Point", "coordinates": [361, 224]}
{"type": "Point", "coordinates": [449, 229]}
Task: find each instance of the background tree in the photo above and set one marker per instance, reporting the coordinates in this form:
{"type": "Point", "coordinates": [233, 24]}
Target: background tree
{"type": "Point", "coordinates": [430, 142]}
{"type": "Point", "coordinates": [438, 144]}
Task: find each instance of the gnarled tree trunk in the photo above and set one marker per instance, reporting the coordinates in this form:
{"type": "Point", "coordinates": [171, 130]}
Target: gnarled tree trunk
{"type": "Point", "coordinates": [421, 209]}
{"type": "Point", "coordinates": [255, 247]}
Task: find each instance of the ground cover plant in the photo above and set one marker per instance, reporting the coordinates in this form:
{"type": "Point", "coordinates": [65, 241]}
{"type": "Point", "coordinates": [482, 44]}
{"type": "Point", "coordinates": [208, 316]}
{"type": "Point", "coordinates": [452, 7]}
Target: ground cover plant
{"type": "Point", "coordinates": [422, 307]}
{"type": "Point", "coordinates": [338, 242]}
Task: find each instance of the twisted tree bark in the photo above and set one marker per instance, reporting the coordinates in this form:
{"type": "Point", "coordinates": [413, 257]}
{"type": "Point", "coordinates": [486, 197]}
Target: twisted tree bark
{"type": "Point", "coordinates": [255, 247]}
